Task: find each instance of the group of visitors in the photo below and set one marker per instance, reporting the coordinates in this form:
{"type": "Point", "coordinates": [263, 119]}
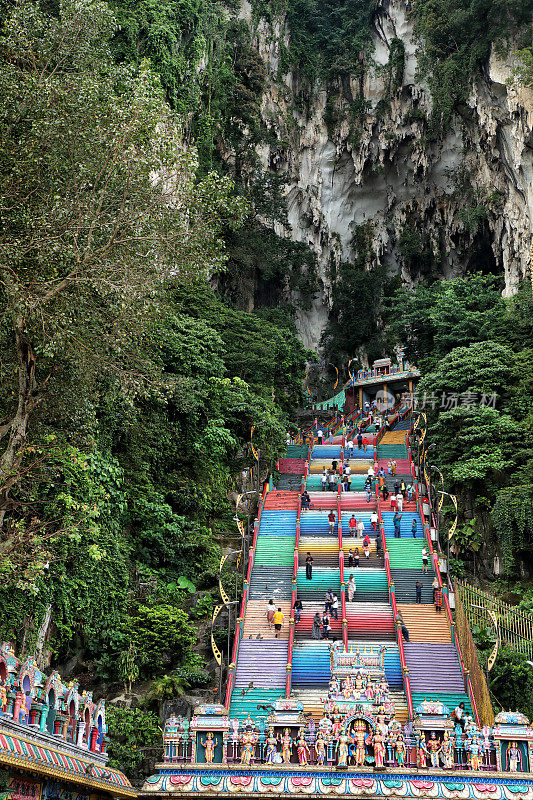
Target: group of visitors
{"type": "Point", "coordinates": [330, 477]}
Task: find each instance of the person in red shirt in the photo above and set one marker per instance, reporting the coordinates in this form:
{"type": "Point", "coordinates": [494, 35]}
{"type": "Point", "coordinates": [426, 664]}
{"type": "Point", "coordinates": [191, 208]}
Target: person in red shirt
{"type": "Point", "coordinates": [353, 525]}
{"type": "Point", "coordinates": [331, 520]}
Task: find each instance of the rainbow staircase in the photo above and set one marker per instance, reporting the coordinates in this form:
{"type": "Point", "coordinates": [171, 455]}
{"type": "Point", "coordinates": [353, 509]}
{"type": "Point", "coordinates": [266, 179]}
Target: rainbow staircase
{"type": "Point", "coordinates": [428, 666]}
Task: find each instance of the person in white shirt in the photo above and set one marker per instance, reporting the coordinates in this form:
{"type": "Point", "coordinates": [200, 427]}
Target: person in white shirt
{"type": "Point", "coordinates": [350, 447]}
{"type": "Point", "coordinates": [370, 471]}
{"type": "Point", "coordinates": [324, 480]}
{"type": "Point", "coordinates": [347, 469]}
{"type": "Point", "coordinates": [374, 520]}
{"type": "Point", "coordinates": [335, 607]}
{"type": "Point", "coordinates": [320, 436]}
{"type": "Point", "coordinates": [399, 502]}
{"type": "Point", "coordinates": [360, 528]}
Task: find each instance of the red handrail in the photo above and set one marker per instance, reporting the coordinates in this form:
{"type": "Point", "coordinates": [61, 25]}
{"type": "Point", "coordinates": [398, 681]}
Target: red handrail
{"type": "Point", "coordinates": [392, 596]}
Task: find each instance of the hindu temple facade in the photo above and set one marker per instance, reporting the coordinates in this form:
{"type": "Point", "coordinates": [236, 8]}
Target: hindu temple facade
{"type": "Point", "coordinates": [52, 738]}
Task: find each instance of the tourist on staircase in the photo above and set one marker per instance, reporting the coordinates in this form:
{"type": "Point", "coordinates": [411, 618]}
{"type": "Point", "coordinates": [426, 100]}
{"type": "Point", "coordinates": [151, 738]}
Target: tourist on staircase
{"type": "Point", "coordinates": [396, 521]}
{"type": "Point", "coordinates": [279, 616]}
{"type": "Point", "coordinates": [352, 524]}
{"type": "Point", "coordinates": [297, 608]}
{"type": "Point", "coordinates": [316, 633]}
{"type": "Point", "coordinates": [306, 501]}
{"type": "Point", "coordinates": [309, 566]}
{"type": "Point", "coordinates": [351, 588]}
{"type": "Point", "coordinates": [270, 610]}
{"type": "Point", "coordinates": [331, 521]}
{"type": "Point", "coordinates": [413, 528]}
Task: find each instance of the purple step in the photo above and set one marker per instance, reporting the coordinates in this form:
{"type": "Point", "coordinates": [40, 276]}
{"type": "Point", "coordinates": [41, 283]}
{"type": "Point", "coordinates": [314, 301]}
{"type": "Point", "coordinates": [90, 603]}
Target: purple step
{"type": "Point", "coordinates": [262, 662]}
{"type": "Point", "coordinates": [433, 667]}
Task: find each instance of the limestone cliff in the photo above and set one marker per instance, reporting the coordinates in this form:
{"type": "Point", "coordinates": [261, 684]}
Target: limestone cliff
{"type": "Point", "coordinates": [468, 195]}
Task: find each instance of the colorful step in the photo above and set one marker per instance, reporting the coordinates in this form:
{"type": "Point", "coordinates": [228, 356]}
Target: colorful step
{"type": "Point", "coordinates": [264, 663]}
{"type": "Point", "coordinates": [425, 624]}
{"type": "Point", "coordinates": [433, 667]}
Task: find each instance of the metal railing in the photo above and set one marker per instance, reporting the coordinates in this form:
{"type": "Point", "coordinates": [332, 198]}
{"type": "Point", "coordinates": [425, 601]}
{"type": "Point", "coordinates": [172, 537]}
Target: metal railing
{"type": "Point", "coordinates": [515, 626]}
{"type": "Point", "coordinates": [468, 648]}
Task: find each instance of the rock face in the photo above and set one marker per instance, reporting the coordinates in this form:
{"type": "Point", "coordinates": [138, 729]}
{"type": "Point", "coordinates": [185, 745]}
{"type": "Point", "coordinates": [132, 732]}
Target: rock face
{"type": "Point", "coordinates": [467, 197]}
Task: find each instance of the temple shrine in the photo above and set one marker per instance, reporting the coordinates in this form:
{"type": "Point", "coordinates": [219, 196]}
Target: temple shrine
{"type": "Point", "coordinates": [52, 739]}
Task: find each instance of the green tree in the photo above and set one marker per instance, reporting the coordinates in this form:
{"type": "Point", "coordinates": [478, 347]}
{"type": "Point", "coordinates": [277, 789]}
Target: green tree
{"type": "Point", "coordinates": [100, 205]}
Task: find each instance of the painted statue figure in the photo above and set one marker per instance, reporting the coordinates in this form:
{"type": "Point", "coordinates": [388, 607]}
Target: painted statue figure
{"type": "Point", "coordinates": [359, 736]}
{"type": "Point", "coordinates": [342, 749]}
{"type": "Point", "coordinates": [248, 747]}
{"type": "Point", "coordinates": [513, 758]}
{"type": "Point", "coordinates": [401, 751]}
{"type": "Point", "coordinates": [421, 752]}
{"type": "Point", "coordinates": [303, 749]}
{"type": "Point", "coordinates": [286, 746]}
{"type": "Point", "coordinates": [3, 696]}
{"type": "Point", "coordinates": [379, 750]}
{"type": "Point", "coordinates": [446, 751]}
{"type": "Point", "coordinates": [475, 753]}
{"type": "Point", "coordinates": [348, 688]}
{"type": "Point", "coordinates": [320, 749]}
{"type": "Point", "coordinates": [271, 746]}
{"type": "Point", "coordinates": [209, 746]}
{"type": "Point", "coordinates": [433, 748]}
{"type": "Point", "coordinates": [23, 712]}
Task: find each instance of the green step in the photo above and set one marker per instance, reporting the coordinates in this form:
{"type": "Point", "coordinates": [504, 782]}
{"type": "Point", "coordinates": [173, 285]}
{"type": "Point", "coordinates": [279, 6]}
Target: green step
{"type": "Point", "coordinates": [276, 550]}
{"type": "Point", "coordinates": [406, 553]}
{"type": "Point", "coordinates": [241, 706]}
{"type": "Point", "coordinates": [450, 699]}
{"type": "Point", "coordinates": [392, 451]}
{"type": "Point", "coordinates": [315, 484]}
{"type": "Point", "coordinates": [297, 451]}
{"type": "Point", "coordinates": [366, 580]}
{"type": "Point", "coordinates": [321, 581]}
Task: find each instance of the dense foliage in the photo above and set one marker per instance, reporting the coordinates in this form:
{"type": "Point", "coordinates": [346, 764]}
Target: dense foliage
{"type": "Point", "coordinates": [129, 386]}
{"type": "Point", "coordinates": [473, 348]}
{"type": "Point", "coordinates": [457, 36]}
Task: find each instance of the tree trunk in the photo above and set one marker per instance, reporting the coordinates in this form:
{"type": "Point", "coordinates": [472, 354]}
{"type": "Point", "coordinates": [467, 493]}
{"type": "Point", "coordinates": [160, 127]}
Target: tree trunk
{"type": "Point", "coordinates": [27, 400]}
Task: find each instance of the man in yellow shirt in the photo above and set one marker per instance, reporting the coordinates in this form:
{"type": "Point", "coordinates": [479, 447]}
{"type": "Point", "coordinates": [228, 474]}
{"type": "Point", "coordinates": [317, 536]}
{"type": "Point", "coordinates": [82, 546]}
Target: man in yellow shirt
{"type": "Point", "coordinates": [279, 616]}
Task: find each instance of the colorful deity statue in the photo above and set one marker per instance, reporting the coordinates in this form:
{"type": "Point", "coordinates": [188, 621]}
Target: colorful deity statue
{"type": "Point", "coordinates": [337, 725]}
{"type": "Point", "coordinates": [347, 689]}
{"type": "Point", "coordinates": [379, 749]}
{"type": "Point", "coordinates": [433, 748]}
{"type": "Point", "coordinates": [303, 749]}
{"type": "Point", "coordinates": [334, 687]}
{"type": "Point", "coordinates": [286, 746]}
{"type": "Point", "coordinates": [421, 752]}
{"type": "Point", "coordinates": [271, 747]}
{"type": "Point", "coordinates": [3, 696]}
{"type": "Point", "coordinates": [474, 749]}
{"type": "Point", "coordinates": [359, 685]}
{"type": "Point", "coordinates": [369, 690]}
{"type": "Point", "coordinates": [23, 710]}
{"type": "Point", "coordinates": [446, 751]}
{"type": "Point", "coordinates": [513, 758]}
{"type": "Point", "coordinates": [401, 750]}
{"type": "Point", "coordinates": [248, 747]}
{"type": "Point", "coordinates": [320, 749]}
{"type": "Point", "coordinates": [209, 746]}
{"type": "Point", "coordinates": [359, 737]}
{"type": "Point", "coordinates": [342, 748]}
{"type": "Point", "coordinates": [383, 689]}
